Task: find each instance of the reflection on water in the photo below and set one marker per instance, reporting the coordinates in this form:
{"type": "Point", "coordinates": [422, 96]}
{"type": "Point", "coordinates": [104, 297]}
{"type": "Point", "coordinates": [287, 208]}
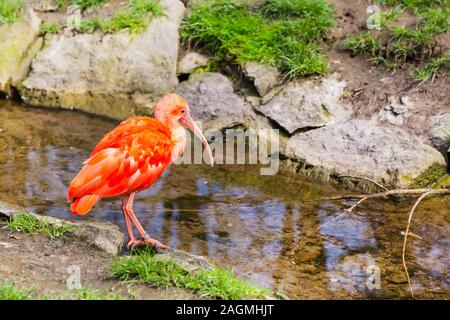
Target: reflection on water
{"type": "Point", "coordinates": [256, 224]}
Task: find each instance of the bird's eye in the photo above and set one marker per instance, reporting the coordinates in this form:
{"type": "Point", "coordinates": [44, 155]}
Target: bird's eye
{"type": "Point", "coordinates": [183, 111]}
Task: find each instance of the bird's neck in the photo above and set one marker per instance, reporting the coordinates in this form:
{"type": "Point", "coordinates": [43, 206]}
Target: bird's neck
{"type": "Point", "coordinates": [178, 135]}
{"type": "Point", "coordinates": [179, 140]}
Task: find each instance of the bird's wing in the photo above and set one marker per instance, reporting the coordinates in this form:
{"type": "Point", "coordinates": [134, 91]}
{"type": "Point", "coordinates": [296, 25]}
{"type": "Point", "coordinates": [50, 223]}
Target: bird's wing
{"type": "Point", "coordinates": [129, 158]}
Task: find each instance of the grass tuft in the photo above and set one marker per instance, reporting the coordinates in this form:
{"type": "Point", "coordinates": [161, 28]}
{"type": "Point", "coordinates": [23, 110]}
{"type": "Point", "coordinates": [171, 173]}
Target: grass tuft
{"type": "Point", "coordinates": [49, 28]}
{"type": "Point", "coordinates": [145, 267]}
{"type": "Point", "coordinates": [9, 292]}
{"type": "Point", "coordinates": [87, 293]}
{"type": "Point", "coordinates": [86, 5]}
{"type": "Point", "coordinates": [134, 18]}
{"type": "Point", "coordinates": [26, 223]}
{"type": "Point", "coordinates": [9, 10]}
{"type": "Point", "coordinates": [396, 45]}
{"type": "Point", "coordinates": [431, 68]}
{"type": "Point", "coordinates": [279, 33]}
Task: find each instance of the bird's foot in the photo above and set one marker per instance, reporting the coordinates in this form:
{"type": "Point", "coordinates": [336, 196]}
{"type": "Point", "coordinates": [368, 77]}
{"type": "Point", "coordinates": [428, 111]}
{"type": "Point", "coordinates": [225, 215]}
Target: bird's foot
{"type": "Point", "coordinates": [145, 241]}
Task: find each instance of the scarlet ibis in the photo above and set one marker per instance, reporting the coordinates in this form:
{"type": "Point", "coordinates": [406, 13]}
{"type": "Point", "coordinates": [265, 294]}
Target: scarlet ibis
{"type": "Point", "coordinates": [131, 158]}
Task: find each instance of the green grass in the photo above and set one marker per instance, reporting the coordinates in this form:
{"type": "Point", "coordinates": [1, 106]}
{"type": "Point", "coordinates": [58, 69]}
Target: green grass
{"type": "Point", "coordinates": [9, 292]}
{"type": "Point", "coordinates": [26, 223]}
{"type": "Point", "coordinates": [134, 18]}
{"type": "Point", "coordinates": [144, 267]}
{"type": "Point", "coordinates": [9, 10]}
{"type": "Point", "coordinates": [395, 46]}
{"type": "Point", "coordinates": [87, 293]}
{"type": "Point", "coordinates": [431, 68]}
{"type": "Point", "coordinates": [49, 28]}
{"type": "Point", "coordinates": [86, 4]}
{"type": "Point", "coordinates": [280, 33]}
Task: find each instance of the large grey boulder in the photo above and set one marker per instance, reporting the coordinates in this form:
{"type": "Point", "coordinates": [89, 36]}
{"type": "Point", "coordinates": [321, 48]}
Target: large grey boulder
{"type": "Point", "coordinates": [306, 104]}
{"type": "Point", "coordinates": [19, 43]}
{"type": "Point", "coordinates": [116, 75]}
{"type": "Point", "coordinates": [361, 148]}
{"type": "Point", "coordinates": [214, 102]}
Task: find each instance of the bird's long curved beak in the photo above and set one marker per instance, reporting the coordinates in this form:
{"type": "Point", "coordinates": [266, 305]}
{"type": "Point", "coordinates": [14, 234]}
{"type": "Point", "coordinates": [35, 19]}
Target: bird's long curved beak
{"type": "Point", "coordinates": [191, 125]}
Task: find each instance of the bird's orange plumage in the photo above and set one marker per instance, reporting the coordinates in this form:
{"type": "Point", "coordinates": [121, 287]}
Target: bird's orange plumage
{"type": "Point", "coordinates": [130, 158]}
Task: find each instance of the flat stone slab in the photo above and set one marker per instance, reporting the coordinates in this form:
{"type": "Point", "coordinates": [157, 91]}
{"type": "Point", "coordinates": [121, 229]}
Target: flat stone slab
{"type": "Point", "coordinates": [307, 104]}
{"type": "Point", "coordinates": [362, 148]}
{"type": "Point", "coordinates": [264, 77]}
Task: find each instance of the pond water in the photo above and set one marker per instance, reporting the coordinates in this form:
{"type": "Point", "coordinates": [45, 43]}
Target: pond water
{"type": "Point", "coordinates": [267, 228]}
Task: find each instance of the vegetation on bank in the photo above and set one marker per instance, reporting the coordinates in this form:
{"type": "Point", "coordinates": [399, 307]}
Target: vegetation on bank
{"type": "Point", "coordinates": [280, 33]}
{"type": "Point", "coordinates": [8, 291]}
{"type": "Point", "coordinates": [144, 267]}
{"type": "Point", "coordinates": [11, 291]}
{"type": "Point", "coordinates": [133, 18]}
{"type": "Point", "coordinates": [9, 10]}
{"type": "Point", "coordinates": [395, 45]}
{"type": "Point", "coordinates": [24, 222]}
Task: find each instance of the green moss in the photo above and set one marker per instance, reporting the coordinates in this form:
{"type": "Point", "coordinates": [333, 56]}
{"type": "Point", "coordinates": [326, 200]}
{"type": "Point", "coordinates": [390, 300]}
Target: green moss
{"type": "Point", "coordinates": [278, 33]}
{"type": "Point", "coordinates": [9, 10]}
{"type": "Point", "coordinates": [429, 178]}
{"type": "Point", "coordinates": [145, 267]}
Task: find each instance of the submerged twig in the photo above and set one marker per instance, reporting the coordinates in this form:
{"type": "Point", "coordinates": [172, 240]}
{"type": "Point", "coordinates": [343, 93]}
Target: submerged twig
{"type": "Point", "coordinates": [363, 197]}
{"type": "Point", "coordinates": [405, 239]}
{"type": "Point", "coordinates": [367, 179]}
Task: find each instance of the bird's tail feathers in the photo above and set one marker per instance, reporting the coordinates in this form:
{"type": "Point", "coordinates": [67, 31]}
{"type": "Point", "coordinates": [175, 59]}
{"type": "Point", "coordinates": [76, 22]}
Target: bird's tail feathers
{"type": "Point", "coordinates": [84, 204]}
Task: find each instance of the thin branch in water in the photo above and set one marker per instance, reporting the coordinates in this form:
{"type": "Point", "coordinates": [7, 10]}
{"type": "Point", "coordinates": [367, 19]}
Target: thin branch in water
{"type": "Point", "coordinates": [367, 179]}
{"type": "Point", "coordinates": [405, 239]}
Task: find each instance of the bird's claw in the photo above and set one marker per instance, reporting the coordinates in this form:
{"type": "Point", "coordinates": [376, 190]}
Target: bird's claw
{"type": "Point", "coordinates": [145, 241]}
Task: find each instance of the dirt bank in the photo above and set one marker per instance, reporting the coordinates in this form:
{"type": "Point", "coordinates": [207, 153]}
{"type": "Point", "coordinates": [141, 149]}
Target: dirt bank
{"type": "Point", "coordinates": [35, 261]}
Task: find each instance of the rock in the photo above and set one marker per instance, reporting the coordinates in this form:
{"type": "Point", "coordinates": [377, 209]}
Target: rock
{"type": "Point", "coordinates": [388, 155]}
{"type": "Point", "coordinates": [440, 132]}
{"type": "Point", "coordinates": [213, 101]}
{"type": "Point", "coordinates": [304, 105]}
{"type": "Point", "coordinates": [308, 254]}
{"type": "Point", "coordinates": [19, 43]}
{"type": "Point", "coordinates": [104, 235]}
{"type": "Point", "coordinates": [191, 61]}
{"type": "Point", "coordinates": [188, 261]}
{"type": "Point", "coordinates": [264, 77]}
{"type": "Point", "coordinates": [44, 5]}
{"type": "Point", "coordinates": [102, 74]}
{"type": "Point", "coordinates": [397, 111]}
{"type": "Point", "coordinates": [382, 294]}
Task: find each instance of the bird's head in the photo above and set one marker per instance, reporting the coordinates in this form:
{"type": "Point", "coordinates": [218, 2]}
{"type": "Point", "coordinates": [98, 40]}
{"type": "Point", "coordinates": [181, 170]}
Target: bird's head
{"type": "Point", "coordinates": [173, 110]}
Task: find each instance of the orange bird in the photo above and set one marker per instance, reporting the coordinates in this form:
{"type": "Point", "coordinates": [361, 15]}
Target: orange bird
{"type": "Point", "coordinates": [131, 158]}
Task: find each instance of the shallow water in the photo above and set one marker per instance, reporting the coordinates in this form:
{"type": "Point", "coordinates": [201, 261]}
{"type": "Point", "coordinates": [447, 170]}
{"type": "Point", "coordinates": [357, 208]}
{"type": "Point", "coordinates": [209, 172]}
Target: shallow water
{"type": "Point", "coordinates": [262, 226]}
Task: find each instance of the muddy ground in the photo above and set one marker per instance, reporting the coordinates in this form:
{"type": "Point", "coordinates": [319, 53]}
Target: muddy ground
{"type": "Point", "coordinates": [35, 261]}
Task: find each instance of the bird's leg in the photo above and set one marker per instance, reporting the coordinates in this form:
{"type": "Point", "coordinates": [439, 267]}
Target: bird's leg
{"type": "Point", "coordinates": [131, 237]}
{"type": "Point", "coordinates": [145, 238]}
